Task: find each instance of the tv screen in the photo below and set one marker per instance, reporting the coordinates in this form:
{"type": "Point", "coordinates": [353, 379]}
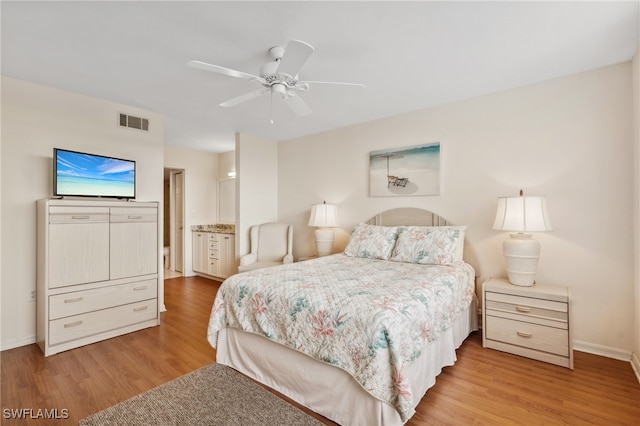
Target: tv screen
{"type": "Point", "coordinates": [79, 174]}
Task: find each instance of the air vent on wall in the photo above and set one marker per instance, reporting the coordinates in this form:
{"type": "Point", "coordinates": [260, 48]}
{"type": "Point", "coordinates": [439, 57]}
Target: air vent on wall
{"type": "Point", "coordinates": [134, 122]}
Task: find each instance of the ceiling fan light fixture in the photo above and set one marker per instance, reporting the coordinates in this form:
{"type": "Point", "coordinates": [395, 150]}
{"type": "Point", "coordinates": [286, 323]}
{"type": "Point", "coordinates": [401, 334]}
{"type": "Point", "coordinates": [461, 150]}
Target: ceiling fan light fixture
{"type": "Point", "coordinates": [279, 88]}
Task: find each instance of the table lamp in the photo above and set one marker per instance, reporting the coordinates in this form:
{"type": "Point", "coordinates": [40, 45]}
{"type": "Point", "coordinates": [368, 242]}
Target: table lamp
{"type": "Point", "coordinates": [520, 216]}
{"type": "Point", "coordinates": [323, 216]}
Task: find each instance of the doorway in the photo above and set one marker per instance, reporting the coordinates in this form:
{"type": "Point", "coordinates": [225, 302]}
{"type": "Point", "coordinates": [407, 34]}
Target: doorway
{"type": "Point", "coordinates": [173, 253]}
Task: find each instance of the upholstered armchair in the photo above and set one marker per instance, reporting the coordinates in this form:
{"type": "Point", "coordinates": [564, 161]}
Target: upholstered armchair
{"type": "Point", "coordinates": [271, 244]}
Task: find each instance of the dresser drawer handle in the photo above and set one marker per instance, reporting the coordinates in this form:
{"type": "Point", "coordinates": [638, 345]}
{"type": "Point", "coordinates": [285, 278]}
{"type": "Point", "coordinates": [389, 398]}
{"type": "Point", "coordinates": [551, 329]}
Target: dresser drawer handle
{"type": "Point", "coordinates": [80, 217]}
{"type": "Point", "coordinates": [142, 287]}
{"type": "Point", "coordinates": [523, 309]}
{"type": "Point", "coordinates": [73, 324]}
{"type": "Point", "coordinates": [524, 334]}
{"type": "Point", "coordinates": [140, 308]}
{"type": "Point", "coordinates": [74, 300]}
{"type": "Point", "coordinates": [135, 217]}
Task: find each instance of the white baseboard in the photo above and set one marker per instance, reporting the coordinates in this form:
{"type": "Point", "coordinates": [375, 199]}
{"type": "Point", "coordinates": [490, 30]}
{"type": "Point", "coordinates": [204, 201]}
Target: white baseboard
{"type": "Point", "coordinates": [635, 364]}
{"type": "Point", "coordinates": [12, 344]}
{"type": "Point", "coordinates": [605, 351]}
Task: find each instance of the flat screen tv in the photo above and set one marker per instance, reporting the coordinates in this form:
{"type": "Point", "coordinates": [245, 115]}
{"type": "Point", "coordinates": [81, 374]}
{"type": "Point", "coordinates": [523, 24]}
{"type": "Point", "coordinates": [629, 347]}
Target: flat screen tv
{"type": "Point", "coordinates": [79, 174]}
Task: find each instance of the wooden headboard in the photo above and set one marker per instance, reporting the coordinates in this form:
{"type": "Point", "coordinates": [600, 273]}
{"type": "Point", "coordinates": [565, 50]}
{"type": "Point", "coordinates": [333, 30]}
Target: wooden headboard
{"type": "Point", "coordinates": [408, 216]}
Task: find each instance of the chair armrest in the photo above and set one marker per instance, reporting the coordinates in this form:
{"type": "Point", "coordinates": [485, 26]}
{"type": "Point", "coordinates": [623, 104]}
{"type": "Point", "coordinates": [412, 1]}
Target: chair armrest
{"type": "Point", "coordinates": [248, 259]}
{"type": "Point", "coordinates": [288, 259]}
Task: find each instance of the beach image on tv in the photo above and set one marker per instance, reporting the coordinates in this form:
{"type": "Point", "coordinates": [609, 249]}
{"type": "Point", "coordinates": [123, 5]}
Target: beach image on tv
{"type": "Point", "coordinates": [92, 175]}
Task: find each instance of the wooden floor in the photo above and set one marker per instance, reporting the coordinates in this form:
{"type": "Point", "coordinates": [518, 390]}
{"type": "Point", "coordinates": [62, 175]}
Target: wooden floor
{"type": "Point", "coordinates": [485, 387]}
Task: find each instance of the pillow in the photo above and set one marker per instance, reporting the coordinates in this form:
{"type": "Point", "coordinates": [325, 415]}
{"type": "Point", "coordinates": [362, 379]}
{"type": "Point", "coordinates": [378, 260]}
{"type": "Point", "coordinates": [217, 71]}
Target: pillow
{"type": "Point", "coordinates": [372, 241]}
{"type": "Point", "coordinates": [432, 245]}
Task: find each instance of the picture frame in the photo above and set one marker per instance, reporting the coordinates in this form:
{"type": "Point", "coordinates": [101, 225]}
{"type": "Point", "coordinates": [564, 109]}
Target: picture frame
{"type": "Point", "coordinates": [407, 171]}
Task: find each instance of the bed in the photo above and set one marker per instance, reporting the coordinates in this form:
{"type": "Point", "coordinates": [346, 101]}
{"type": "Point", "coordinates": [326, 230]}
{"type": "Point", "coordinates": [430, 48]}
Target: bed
{"type": "Point", "coordinates": [359, 336]}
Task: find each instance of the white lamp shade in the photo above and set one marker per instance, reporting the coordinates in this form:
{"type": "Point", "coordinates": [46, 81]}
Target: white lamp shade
{"type": "Point", "coordinates": [522, 214]}
{"type": "Point", "coordinates": [323, 215]}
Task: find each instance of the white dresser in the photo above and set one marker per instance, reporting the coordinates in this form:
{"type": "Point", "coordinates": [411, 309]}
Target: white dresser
{"type": "Point", "coordinates": [528, 321]}
{"type": "Point", "coordinates": [97, 271]}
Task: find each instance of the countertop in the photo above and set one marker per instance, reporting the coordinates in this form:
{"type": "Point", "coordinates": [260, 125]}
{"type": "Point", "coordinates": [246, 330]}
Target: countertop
{"type": "Point", "coordinates": [218, 228]}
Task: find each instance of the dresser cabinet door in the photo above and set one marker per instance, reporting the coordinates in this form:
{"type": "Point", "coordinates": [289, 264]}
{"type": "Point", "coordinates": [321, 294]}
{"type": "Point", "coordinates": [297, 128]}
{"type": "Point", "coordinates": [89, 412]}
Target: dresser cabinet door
{"type": "Point", "coordinates": [134, 242]}
{"type": "Point", "coordinates": [78, 247]}
{"type": "Point", "coordinates": [200, 252]}
{"type": "Point", "coordinates": [227, 255]}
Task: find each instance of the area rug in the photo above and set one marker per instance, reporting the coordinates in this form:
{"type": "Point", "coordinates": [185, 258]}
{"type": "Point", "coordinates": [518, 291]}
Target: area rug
{"type": "Point", "coordinates": [211, 395]}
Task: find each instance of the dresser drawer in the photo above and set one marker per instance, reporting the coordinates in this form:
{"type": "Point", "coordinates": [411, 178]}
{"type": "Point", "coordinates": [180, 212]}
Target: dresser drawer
{"type": "Point", "coordinates": [84, 325]}
{"type": "Point", "coordinates": [214, 241]}
{"type": "Point", "coordinates": [65, 215]}
{"type": "Point", "coordinates": [78, 218]}
{"type": "Point", "coordinates": [528, 335]}
{"type": "Point", "coordinates": [133, 214]}
{"type": "Point", "coordinates": [54, 210]}
{"type": "Point", "coordinates": [68, 304]}
{"type": "Point", "coordinates": [213, 266]}
{"type": "Point", "coordinates": [214, 254]}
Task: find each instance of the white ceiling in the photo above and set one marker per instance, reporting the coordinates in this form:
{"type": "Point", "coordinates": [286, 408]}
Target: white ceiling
{"type": "Point", "coordinates": [410, 55]}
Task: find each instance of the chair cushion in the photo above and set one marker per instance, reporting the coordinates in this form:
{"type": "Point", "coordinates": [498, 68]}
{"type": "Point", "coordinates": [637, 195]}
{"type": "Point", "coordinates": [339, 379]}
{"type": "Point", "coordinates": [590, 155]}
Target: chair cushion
{"type": "Point", "coordinates": [272, 242]}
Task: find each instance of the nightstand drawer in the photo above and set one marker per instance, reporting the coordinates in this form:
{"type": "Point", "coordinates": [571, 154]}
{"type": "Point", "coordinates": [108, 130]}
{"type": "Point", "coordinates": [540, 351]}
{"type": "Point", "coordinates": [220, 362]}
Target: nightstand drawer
{"type": "Point", "coordinates": [530, 302]}
{"type": "Point", "coordinates": [528, 335]}
{"type": "Point", "coordinates": [526, 309]}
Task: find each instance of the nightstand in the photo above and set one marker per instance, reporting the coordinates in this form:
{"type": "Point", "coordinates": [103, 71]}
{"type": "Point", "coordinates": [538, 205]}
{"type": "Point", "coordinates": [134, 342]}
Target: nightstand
{"type": "Point", "coordinates": [533, 322]}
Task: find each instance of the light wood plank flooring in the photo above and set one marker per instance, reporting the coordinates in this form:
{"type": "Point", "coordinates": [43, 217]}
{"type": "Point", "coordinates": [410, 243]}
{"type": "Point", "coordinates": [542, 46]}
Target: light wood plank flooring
{"type": "Point", "coordinates": [485, 387]}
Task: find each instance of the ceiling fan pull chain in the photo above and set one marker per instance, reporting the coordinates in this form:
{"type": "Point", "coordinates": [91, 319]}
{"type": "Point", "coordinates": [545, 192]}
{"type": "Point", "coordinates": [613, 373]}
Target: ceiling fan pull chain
{"type": "Point", "coordinates": [271, 113]}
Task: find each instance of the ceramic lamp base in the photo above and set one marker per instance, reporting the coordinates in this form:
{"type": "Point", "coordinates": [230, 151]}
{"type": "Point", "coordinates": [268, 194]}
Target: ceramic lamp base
{"type": "Point", "coordinates": [324, 241]}
{"type": "Point", "coordinates": [521, 254]}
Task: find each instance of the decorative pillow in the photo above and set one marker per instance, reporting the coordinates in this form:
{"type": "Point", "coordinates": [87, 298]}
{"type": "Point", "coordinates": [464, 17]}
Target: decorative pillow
{"type": "Point", "coordinates": [372, 241]}
{"type": "Point", "coordinates": [434, 245]}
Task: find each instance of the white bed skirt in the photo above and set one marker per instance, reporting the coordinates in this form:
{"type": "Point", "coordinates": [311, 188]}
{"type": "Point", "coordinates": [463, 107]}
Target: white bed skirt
{"type": "Point", "coordinates": [328, 390]}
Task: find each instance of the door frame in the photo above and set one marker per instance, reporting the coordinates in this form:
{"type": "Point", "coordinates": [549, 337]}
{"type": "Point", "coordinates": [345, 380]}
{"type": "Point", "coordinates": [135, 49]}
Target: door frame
{"type": "Point", "coordinates": [172, 219]}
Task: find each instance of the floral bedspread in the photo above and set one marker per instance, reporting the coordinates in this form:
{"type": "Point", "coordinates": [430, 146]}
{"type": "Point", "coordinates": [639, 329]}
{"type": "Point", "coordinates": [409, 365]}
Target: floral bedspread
{"type": "Point", "coordinates": [368, 317]}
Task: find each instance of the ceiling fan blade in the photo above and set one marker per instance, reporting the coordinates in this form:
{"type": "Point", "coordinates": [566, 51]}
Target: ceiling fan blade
{"type": "Point", "coordinates": [297, 105]}
{"type": "Point", "coordinates": [295, 56]}
{"type": "Point", "coordinates": [224, 71]}
{"type": "Point", "coordinates": [242, 98]}
{"type": "Point", "coordinates": [332, 82]}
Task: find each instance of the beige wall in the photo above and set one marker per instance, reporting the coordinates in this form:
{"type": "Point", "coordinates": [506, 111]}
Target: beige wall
{"type": "Point", "coordinates": [35, 119]}
{"type": "Point", "coordinates": [569, 139]}
{"type": "Point", "coordinates": [200, 178]}
{"type": "Point", "coordinates": [256, 185]}
{"type": "Point", "coordinates": [227, 163]}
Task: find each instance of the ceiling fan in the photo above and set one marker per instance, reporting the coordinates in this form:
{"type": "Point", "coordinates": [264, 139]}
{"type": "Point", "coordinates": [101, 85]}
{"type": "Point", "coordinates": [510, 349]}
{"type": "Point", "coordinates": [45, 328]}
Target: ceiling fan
{"type": "Point", "coordinates": [279, 77]}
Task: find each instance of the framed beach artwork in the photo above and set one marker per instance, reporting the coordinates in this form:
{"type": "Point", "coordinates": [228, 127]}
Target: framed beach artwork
{"type": "Point", "coordinates": [412, 170]}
